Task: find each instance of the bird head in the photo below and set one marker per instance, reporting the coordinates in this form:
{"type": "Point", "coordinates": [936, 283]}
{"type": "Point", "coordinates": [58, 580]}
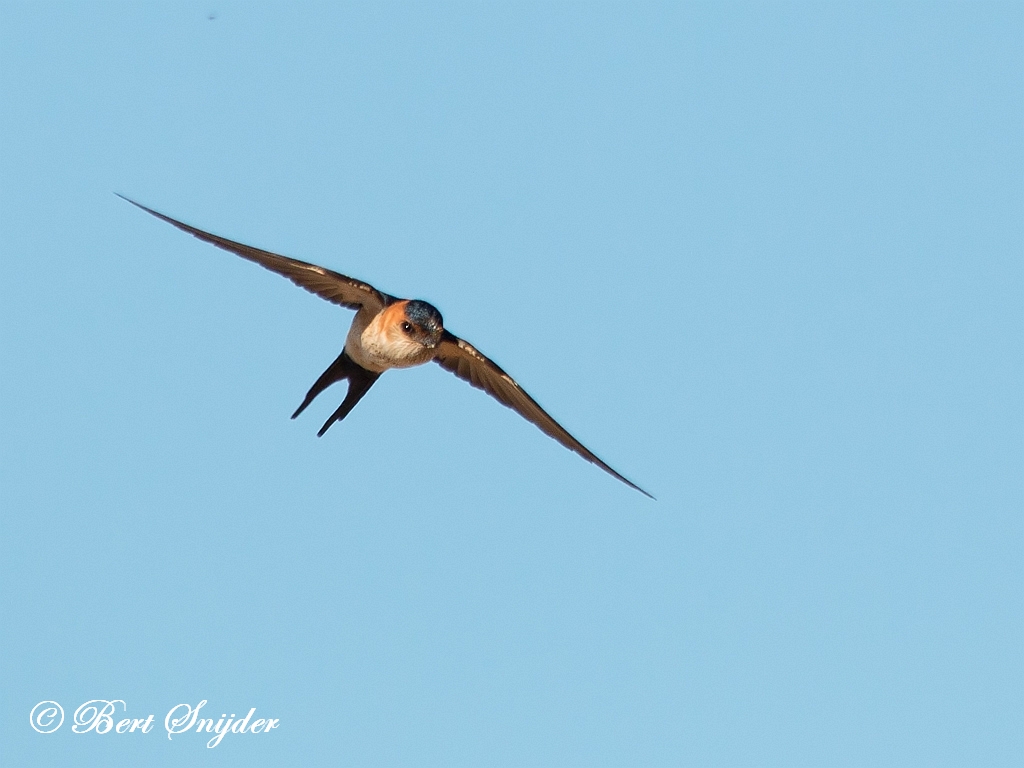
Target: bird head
{"type": "Point", "coordinates": [422, 323]}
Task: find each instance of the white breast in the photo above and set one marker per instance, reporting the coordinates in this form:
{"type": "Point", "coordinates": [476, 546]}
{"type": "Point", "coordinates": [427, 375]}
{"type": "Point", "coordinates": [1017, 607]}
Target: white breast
{"type": "Point", "coordinates": [376, 342]}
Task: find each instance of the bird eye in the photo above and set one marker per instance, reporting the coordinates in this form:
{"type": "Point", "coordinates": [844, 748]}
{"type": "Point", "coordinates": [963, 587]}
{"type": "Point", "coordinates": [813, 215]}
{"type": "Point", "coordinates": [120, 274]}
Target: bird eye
{"type": "Point", "coordinates": [407, 327]}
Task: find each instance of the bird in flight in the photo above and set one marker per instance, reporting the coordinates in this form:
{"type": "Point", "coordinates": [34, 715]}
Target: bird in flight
{"type": "Point", "coordinates": [388, 332]}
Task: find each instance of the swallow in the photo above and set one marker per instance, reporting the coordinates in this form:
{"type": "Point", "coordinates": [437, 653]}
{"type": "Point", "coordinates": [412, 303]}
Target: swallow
{"type": "Point", "coordinates": [388, 332]}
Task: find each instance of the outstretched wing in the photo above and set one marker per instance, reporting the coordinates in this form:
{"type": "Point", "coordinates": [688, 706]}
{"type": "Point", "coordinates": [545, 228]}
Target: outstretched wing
{"type": "Point", "coordinates": [325, 283]}
{"type": "Point", "coordinates": [462, 358]}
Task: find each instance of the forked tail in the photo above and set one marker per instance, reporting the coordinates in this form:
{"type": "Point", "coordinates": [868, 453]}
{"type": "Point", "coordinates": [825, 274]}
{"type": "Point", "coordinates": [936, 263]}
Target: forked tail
{"type": "Point", "coordinates": [359, 382]}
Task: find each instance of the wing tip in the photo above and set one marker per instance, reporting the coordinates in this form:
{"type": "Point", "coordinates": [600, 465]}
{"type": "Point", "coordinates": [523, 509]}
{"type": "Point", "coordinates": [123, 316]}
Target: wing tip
{"type": "Point", "coordinates": [645, 493]}
{"type": "Point", "coordinates": [149, 210]}
{"type": "Point", "coordinates": [129, 200]}
{"type": "Point", "coordinates": [634, 486]}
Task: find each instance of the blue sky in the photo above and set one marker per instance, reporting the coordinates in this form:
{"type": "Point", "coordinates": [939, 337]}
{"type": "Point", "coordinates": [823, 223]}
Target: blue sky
{"type": "Point", "coordinates": [764, 259]}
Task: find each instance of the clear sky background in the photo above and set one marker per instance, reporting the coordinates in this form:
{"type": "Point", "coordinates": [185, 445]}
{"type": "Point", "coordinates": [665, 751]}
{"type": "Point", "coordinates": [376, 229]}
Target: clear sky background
{"type": "Point", "coordinates": [764, 259]}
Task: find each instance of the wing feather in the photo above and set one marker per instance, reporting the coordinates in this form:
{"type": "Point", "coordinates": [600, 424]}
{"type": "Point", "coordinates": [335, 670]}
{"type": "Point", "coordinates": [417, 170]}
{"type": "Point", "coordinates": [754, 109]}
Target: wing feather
{"type": "Point", "coordinates": [325, 283]}
{"type": "Point", "coordinates": [465, 361]}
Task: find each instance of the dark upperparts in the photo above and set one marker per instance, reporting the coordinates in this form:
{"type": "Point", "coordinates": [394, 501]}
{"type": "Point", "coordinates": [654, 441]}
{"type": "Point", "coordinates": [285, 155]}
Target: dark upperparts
{"type": "Point", "coordinates": [424, 315]}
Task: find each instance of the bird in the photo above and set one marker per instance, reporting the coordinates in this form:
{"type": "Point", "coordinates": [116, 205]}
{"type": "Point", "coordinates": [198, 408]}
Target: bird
{"type": "Point", "coordinates": [388, 332]}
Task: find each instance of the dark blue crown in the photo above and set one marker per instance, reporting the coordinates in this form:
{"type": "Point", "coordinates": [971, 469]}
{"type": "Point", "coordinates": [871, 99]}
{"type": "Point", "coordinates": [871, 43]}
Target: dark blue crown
{"type": "Point", "coordinates": [424, 315]}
